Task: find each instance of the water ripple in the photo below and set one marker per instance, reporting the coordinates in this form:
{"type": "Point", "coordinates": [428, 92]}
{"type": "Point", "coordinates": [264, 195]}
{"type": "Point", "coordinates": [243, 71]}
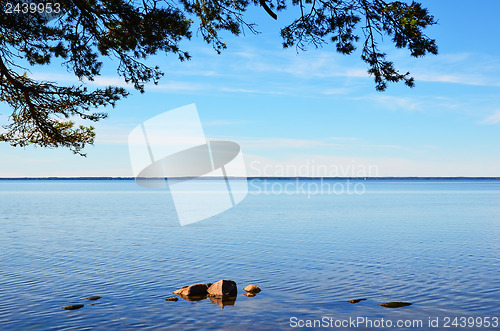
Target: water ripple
{"type": "Point", "coordinates": [433, 247]}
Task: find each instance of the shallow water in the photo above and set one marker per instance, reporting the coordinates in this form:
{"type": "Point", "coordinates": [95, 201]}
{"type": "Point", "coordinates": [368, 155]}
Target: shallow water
{"type": "Point", "coordinates": [434, 243]}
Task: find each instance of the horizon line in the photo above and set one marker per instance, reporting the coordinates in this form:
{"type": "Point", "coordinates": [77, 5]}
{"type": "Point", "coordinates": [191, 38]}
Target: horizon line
{"type": "Point", "coordinates": [252, 177]}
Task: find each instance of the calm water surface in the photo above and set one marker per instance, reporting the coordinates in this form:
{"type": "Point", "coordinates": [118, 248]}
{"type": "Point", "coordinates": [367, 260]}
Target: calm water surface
{"type": "Point", "coordinates": [434, 243]}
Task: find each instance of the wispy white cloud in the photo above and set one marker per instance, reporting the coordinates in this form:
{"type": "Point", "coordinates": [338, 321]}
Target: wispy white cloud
{"type": "Point", "coordinates": [465, 79]}
{"type": "Point", "coordinates": [381, 146]}
{"type": "Point", "coordinates": [119, 136]}
{"type": "Point", "coordinates": [459, 68]}
{"type": "Point", "coordinates": [297, 144]}
{"type": "Point", "coordinates": [309, 165]}
{"type": "Point", "coordinates": [363, 166]}
{"type": "Point", "coordinates": [246, 54]}
{"type": "Point", "coordinates": [54, 77]}
{"type": "Point", "coordinates": [336, 91]}
{"type": "Point", "coordinates": [454, 68]}
{"type": "Point", "coordinates": [405, 103]}
{"type": "Point", "coordinates": [242, 90]}
{"type": "Point", "coordinates": [317, 64]}
{"type": "Point", "coordinates": [194, 71]}
{"type": "Point", "coordinates": [343, 138]}
{"type": "Point", "coordinates": [109, 80]}
{"type": "Point", "coordinates": [492, 119]}
{"type": "Point", "coordinates": [176, 86]}
{"type": "Point", "coordinates": [224, 123]}
{"type": "Point", "coordinates": [102, 81]}
{"type": "Point", "coordinates": [267, 143]}
{"type": "Point", "coordinates": [163, 87]}
{"type": "Point", "coordinates": [393, 102]}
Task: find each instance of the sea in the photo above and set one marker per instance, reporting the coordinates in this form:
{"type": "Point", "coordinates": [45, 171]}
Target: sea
{"type": "Point", "coordinates": [310, 244]}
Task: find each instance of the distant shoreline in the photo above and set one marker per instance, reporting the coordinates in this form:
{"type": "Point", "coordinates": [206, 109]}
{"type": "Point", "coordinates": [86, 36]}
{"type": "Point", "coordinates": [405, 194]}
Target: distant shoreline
{"type": "Point", "coordinates": [259, 178]}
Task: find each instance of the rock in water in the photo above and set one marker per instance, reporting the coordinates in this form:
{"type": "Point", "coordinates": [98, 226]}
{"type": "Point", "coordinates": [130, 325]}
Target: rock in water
{"type": "Point", "coordinates": [250, 294]}
{"type": "Point", "coordinates": [252, 288]}
{"type": "Point", "coordinates": [193, 290]}
{"type": "Point", "coordinates": [172, 299]}
{"type": "Point", "coordinates": [95, 297]}
{"type": "Point", "coordinates": [72, 307]}
{"type": "Point", "coordinates": [395, 304]}
{"type": "Point", "coordinates": [355, 300]}
{"type": "Point", "coordinates": [223, 288]}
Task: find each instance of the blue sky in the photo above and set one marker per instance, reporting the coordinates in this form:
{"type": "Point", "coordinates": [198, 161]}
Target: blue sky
{"type": "Point", "coordinates": [315, 112]}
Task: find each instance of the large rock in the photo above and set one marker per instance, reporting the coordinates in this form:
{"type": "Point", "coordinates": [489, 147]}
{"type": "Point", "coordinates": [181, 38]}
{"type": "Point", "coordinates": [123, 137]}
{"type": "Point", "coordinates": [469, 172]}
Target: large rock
{"type": "Point", "coordinates": [252, 288]}
{"type": "Point", "coordinates": [223, 288]}
{"type": "Point", "coordinates": [195, 290]}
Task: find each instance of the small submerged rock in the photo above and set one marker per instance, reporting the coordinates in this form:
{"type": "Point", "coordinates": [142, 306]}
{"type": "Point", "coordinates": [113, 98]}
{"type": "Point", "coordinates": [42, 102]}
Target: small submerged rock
{"type": "Point", "coordinates": [172, 299]}
{"type": "Point", "coordinates": [95, 297]}
{"type": "Point", "coordinates": [395, 304]}
{"type": "Point", "coordinates": [252, 288]}
{"type": "Point", "coordinates": [355, 300]}
{"type": "Point", "coordinates": [72, 307]}
{"type": "Point", "coordinates": [223, 288]}
{"type": "Point", "coordinates": [250, 294]}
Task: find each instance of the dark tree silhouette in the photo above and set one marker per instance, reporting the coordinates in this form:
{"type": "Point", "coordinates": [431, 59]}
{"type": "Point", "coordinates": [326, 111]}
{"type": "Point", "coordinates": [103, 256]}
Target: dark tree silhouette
{"type": "Point", "coordinates": [80, 32]}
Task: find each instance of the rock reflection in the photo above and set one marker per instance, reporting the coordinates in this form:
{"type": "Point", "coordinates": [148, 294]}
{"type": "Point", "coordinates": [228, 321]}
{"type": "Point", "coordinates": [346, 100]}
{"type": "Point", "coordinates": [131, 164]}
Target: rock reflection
{"type": "Point", "coordinates": [223, 301]}
{"type": "Point", "coordinates": [192, 298]}
{"type": "Point", "coordinates": [220, 301]}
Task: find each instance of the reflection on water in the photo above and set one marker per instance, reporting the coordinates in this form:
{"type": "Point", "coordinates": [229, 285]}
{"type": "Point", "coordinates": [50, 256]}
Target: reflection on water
{"type": "Point", "coordinates": [223, 301]}
{"type": "Point", "coordinates": [434, 244]}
